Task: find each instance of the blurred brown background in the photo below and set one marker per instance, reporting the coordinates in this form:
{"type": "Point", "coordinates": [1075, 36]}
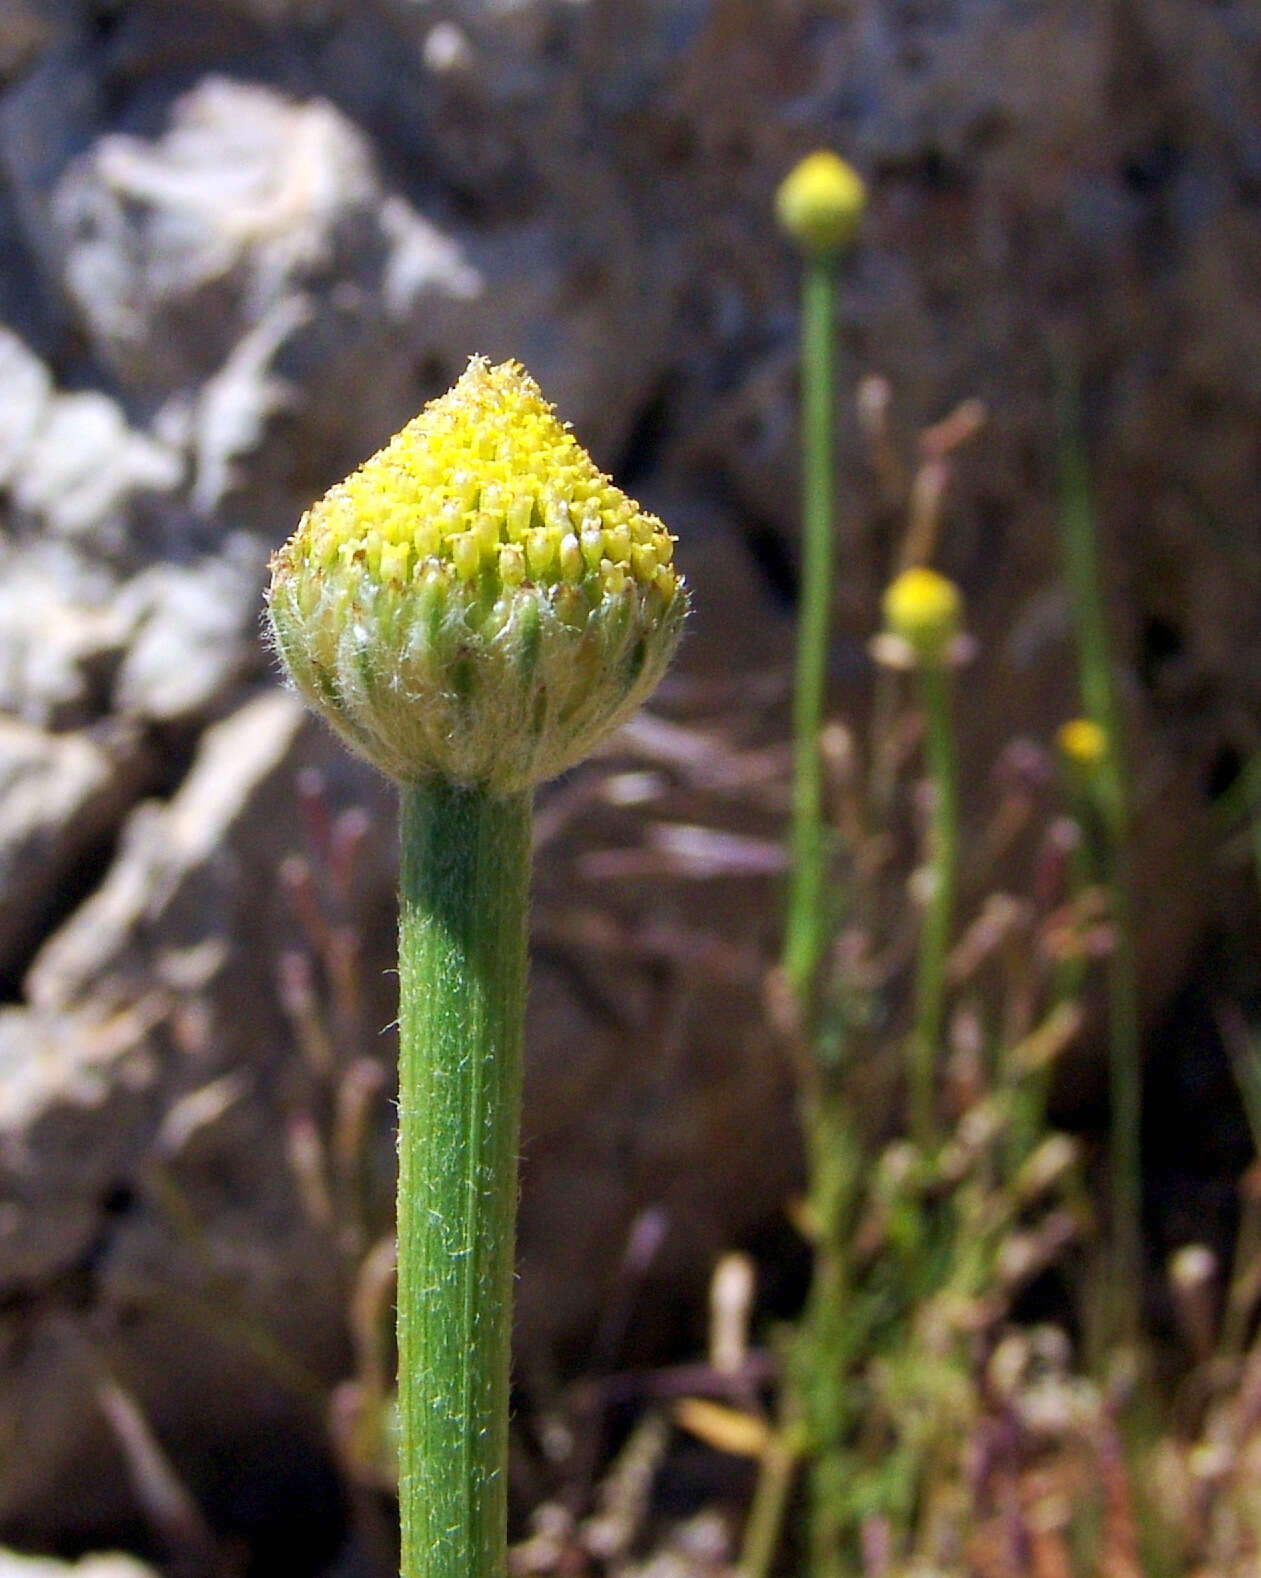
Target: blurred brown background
{"type": "Point", "coordinates": [241, 241]}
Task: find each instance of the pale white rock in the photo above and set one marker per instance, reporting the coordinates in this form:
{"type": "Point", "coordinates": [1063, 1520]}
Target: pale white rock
{"type": "Point", "coordinates": [62, 634]}
{"type": "Point", "coordinates": [83, 462]}
{"type": "Point", "coordinates": [249, 198]}
{"type": "Point", "coordinates": [109, 1565]}
{"type": "Point", "coordinates": [163, 848]}
{"type": "Point", "coordinates": [234, 406]}
{"type": "Point", "coordinates": [60, 796]}
{"type": "Point", "coordinates": [195, 634]}
{"type": "Point", "coordinates": [26, 390]}
{"type": "Point", "coordinates": [447, 49]}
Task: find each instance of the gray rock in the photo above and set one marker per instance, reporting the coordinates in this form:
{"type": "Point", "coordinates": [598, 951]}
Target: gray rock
{"type": "Point", "coordinates": [196, 635]}
{"type": "Point", "coordinates": [79, 1087]}
{"type": "Point", "coordinates": [62, 634]}
{"type": "Point", "coordinates": [141, 1161]}
{"type": "Point", "coordinates": [175, 868]}
{"type": "Point", "coordinates": [83, 462]}
{"type": "Point", "coordinates": [26, 390]}
{"type": "Point", "coordinates": [27, 29]}
{"type": "Point", "coordinates": [48, 115]}
{"type": "Point", "coordinates": [72, 460]}
{"type": "Point", "coordinates": [248, 198]}
{"type": "Point", "coordinates": [62, 797]}
{"type": "Point", "coordinates": [252, 264]}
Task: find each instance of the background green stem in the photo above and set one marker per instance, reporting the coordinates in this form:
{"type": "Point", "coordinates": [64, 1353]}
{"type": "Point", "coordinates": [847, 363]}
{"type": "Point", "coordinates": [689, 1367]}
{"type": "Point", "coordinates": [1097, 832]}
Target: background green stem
{"type": "Point", "coordinates": [770, 1504]}
{"type": "Point", "coordinates": [1111, 793]}
{"type": "Point", "coordinates": [462, 970]}
{"type": "Point", "coordinates": [805, 927]}
{"type": "Point", "coordinates": [819, 1380]}
{"type": "Point", "coordinates": [943, 862]}
{"type": "Point", "coordinates": [830, 1335]}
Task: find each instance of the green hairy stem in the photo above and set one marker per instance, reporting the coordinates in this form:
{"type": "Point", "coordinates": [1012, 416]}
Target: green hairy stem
{"type": "Point", "coordinates": [462, 974]}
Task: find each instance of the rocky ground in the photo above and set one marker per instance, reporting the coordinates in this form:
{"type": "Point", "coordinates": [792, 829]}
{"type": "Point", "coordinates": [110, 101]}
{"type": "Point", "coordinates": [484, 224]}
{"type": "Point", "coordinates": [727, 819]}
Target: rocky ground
{"type": "Point", "coordinates": [240, 242]}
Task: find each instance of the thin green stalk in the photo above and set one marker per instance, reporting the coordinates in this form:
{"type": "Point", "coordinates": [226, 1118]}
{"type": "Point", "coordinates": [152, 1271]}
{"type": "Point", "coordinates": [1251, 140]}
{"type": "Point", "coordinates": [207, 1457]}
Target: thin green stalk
{"type": "Point", "coordinates": [819, 206]}
{"type": "Point", "coordinates": [1126, 1090]}
{"type": "Point", "coordinates": [821, 1343]}
{"type": "Point", "coordinates": [805, 927]}
{"type": "Point", "coordinates": [1101, 706]}
{"type": "Point", "coordinates": [462, 972]}
{"type": "Point", "coordinates": [770, 1504]}
{"type": "Point", "coordinates": [1032, 1089]}
{"type": "Point", "coordinates": [460, 642]}
{"type": "Point", "coordinates": [943, 863]}
{"type": "Point", "coordinates": [829, 1334]}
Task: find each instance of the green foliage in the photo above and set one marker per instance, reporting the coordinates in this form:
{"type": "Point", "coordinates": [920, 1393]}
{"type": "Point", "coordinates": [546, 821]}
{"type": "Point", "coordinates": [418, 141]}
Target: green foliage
{"type": "Point", "coordinates": [922, 1246]}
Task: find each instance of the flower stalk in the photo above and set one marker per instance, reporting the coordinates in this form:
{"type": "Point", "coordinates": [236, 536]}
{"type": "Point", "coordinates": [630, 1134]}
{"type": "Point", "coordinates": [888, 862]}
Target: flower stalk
{"type": "Point", "coordinates": [805, 923]}
{"type": "Point", "coordinates": [819, 205]}
{"type": "Point", "coordinates": [472, 611]}
{"type": "Point", "coordinates": [922, 612]}
{"type": "Point", "coordinates": [462, 971]}
{"type": "Point", "coordinates": [943, 867]}
{"type": "Point", "coordinates": [1109, 792]}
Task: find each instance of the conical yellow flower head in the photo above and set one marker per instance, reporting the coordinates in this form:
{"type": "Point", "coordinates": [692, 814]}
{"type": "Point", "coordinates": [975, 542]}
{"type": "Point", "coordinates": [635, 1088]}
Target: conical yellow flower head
{"type": "Point", "coordinates": [477, 601]}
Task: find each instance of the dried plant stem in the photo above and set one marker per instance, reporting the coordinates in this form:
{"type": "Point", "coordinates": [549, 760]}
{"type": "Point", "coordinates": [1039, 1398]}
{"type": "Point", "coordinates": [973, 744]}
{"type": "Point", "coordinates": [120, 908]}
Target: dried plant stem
{"type": "Point", "coordinates": [462, 972]}
{"type": "Point", "coordinates": [1101, 706]}
{"type": "Point", "coordinates": [805, 927]}
{"type": "Point", "coordinates": [943, 862]}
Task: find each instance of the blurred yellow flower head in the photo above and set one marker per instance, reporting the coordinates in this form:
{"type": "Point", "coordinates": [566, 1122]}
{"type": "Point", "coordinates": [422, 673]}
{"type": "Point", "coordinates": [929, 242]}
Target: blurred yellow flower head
{"type": "Point", "coordinates": [925, 610]}
{"type": "Point", "coordinates": [1082, 743]}
{"type": "Point", "coordinates": [820, 203]}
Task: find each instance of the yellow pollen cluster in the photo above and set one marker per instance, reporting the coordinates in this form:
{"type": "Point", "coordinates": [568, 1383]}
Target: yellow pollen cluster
{"type": "Point", "coordinates": [488, 481]}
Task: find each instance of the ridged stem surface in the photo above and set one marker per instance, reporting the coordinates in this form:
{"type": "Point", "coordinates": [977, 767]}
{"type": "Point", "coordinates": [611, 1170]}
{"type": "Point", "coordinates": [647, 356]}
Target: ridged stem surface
{"type": "Point", "coordinates": [1112, 794]}
{"type": "Point", "coordinates": [805, 939]}
{"type": "Point", "coordinates": [462, 974]}
{"type": "Point", "coordinates": [943, 862]}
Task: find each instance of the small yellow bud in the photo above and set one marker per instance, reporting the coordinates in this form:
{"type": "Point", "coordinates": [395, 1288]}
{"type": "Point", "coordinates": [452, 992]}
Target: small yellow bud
{"type": "Point", "coordinates": [1083, 744]}
{"type": "Point", "coordinates": [477, 601]}
{"type": "Point", "coordinates": [923, 609]}
{"type": "Point", "coordinates": [820, 203]}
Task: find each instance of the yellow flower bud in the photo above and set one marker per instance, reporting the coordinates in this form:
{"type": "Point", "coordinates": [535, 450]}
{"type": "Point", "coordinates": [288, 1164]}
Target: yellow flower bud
{"type": "Point", "coordinates": [820, 203]}
{"type": "Point", "coordinates": [1083, 744]}
{"type": "Point", "coordinates": [925, 610]}
{"type": "Point", "coordinates": [441, 611]}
